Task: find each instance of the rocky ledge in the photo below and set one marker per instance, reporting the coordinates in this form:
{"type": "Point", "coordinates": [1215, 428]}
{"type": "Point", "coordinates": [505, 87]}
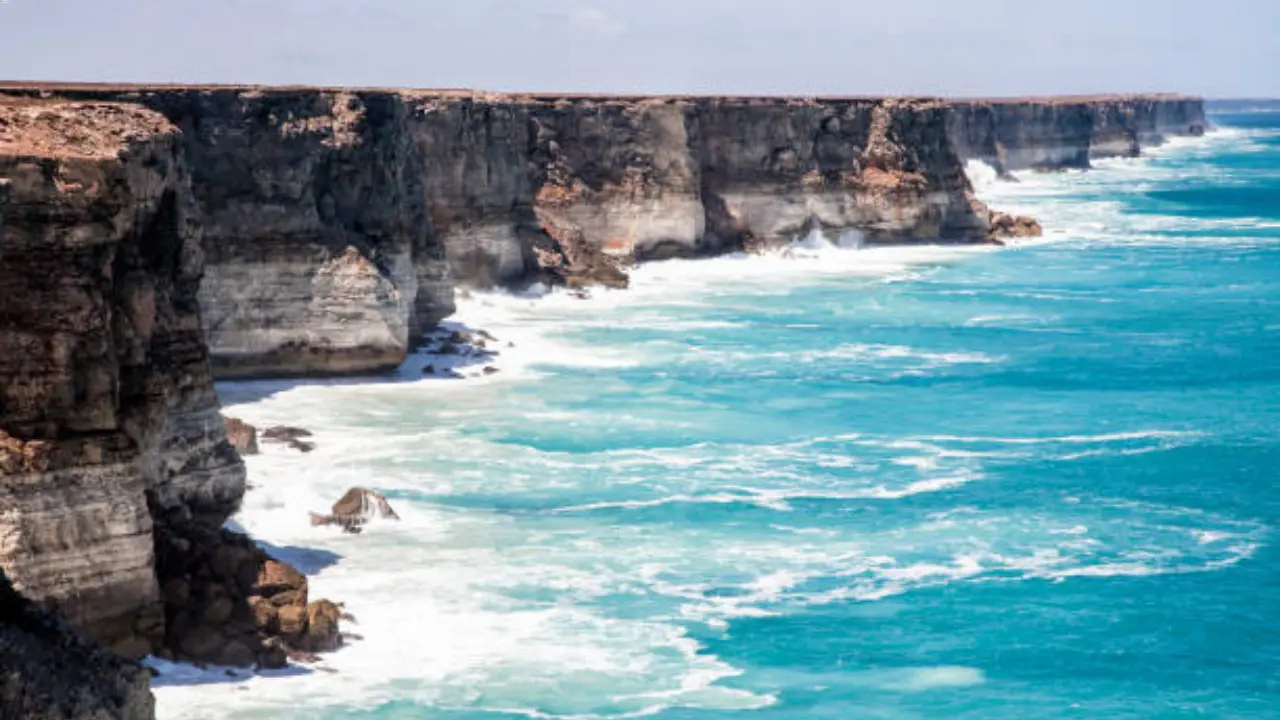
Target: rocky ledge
{"type": "Point", "coordinates": [115, 469]}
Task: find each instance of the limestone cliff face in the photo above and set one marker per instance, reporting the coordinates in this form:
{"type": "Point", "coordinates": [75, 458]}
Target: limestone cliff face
{"type": "Point", "coordinates": [572, 186]}
{"type": "Point", "coordinates": [106, 399]}
{"type": "Point", "coordinates": [1055, 134]}
{"type": "Point", "coordinates": [477, 185]}
{"type": "Point", "coordinates": [884, 169]}
{"type": "Point", "coordinates": [337, 223]}
{"type": "Point", "coordinates": [320, 254]}
{"type": "Point", "coordinates": [115, 468]}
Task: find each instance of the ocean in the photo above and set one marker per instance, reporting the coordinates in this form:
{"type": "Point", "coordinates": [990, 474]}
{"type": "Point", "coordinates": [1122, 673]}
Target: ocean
{"type": "Point", "coordinates": [1036, 481]}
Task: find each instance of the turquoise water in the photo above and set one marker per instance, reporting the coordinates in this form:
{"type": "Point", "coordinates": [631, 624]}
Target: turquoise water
{"type": "Point", "coordinates": [904, 483]}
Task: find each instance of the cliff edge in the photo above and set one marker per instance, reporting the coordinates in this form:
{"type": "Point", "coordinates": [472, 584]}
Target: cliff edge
{"type": "Point", "coordinates": [338, 222]}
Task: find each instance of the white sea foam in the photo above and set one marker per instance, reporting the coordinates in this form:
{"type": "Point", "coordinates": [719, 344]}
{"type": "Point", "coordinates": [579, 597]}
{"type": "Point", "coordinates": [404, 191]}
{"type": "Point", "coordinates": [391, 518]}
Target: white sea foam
{"type": "Point", "coordinates": [1067, 439]}
{"type": "Point", "coordinates": [921, 679]}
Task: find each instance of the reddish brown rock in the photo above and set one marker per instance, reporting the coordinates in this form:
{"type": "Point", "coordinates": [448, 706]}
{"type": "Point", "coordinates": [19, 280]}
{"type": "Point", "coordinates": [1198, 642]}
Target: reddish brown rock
{"type": "Point", "coordinates": [355, 510]}
{"type": "Point", "coordinates": [1004, 225]}
{"type": "Point", "coordinates": [293, 623]}
{"type": "Point", "coordinates": [226, 599]}
{"type": "Point", "coordinates": [323, 631]}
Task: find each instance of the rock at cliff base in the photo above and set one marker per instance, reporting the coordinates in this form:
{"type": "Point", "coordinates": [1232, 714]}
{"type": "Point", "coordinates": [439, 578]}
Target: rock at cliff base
{"type": "Point", "coordinates": [228, 602]}
{"type": "Point", "coordinates": [1004, 225]}
{"type": "Point", "coordinates": [323, 632]}
{"type": "Point", "coordinates": [242, 435]}
{"type": "Point", "coordinates": [355, 510]}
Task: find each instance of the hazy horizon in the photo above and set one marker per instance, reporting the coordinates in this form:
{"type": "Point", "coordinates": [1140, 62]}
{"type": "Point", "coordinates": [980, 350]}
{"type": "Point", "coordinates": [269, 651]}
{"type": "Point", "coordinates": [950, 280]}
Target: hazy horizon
{"type": "Point", "coordinates": [980, 48]}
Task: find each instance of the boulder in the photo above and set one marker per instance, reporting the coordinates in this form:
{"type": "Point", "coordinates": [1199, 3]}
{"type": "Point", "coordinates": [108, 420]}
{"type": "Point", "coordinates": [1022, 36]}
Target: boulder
{"type": "Point", "coordinates": [280, 584]}
{"type": "Point", "coordinates": [355, 510]}
{"type": "Point", "coordinates": [237, 654]}
{"type": "Point", "coordinates": [293, 623]}
{"type": "Point", "coordinates": [273, 655]}
{"type": "Point", "coordinates": [1004, 225]}
{"type": "Point", "coordinates": [323, 633]}
{"type": "Point", "coordinates": [265, 615]}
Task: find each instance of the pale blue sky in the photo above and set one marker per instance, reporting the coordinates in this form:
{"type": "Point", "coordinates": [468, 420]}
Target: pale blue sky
{"type": "Point", "coordinates": [955, 47]}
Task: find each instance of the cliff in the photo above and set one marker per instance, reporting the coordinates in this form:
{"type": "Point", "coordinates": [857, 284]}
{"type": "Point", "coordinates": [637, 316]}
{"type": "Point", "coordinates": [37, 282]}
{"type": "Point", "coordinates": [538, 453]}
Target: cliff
{"type": "Point", "coordinates": [320, 257]}
{"type": "Point", "coordinates": [115, 468]}
{"type": "Point", "coordinates": [1067, 133]}
{"type": "Point", "coordinates": [106, 397]}
{"type": "Point", "coordinates": [337, 223]}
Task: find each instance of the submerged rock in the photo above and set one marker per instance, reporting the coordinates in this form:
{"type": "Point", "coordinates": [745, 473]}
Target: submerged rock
{"type": "Point", "coordinates": [290, 436]}
{"type": "Point", "coordinates": [285, 433]}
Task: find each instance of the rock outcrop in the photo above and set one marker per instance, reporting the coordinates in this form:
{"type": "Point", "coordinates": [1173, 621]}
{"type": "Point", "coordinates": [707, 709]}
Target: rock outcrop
{"type": "Point", "coordinates": [111, 442]}
{"type": "Point", "coordinates": [1067, 133]}
{"type": "Point", "coordinates": [228, 602]}
{"type": "Point", "coordinates": [357, 508]}
{"type": "Point", "coordinates": [1004, 225]}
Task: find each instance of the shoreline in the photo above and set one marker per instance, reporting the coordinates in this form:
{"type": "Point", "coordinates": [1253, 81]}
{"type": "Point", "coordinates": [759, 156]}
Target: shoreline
{"type": "Point", "coordinates": [561, 302]}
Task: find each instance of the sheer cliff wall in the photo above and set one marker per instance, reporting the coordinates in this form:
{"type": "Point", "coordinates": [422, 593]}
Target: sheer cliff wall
{"type": "Point", "coordinates": [1067, 133]}
{"type": "Point", "coordinates": [115, 468]}
{"type": "Point", "coordinates": [337, 223]}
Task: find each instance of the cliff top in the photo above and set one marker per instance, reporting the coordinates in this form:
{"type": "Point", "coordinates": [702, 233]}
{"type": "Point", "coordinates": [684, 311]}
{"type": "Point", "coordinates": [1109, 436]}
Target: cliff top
{"type": "Point", "coordinates": [28, 87]}
{"type": "Point", "coordinates": [44, 128]}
